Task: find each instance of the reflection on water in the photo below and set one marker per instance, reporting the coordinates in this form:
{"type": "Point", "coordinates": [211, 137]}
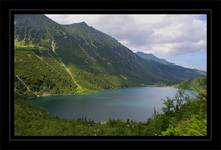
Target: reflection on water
{"type": "Point", "coordinates": [129, 103]}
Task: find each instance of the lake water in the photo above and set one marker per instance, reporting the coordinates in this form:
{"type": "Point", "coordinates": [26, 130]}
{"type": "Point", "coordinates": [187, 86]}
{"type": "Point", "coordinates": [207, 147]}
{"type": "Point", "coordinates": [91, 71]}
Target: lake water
{"type": "Point", "coordinates": [128, 103]}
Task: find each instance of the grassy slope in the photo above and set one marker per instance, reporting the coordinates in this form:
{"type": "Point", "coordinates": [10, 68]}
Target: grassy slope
{"type": "Point", "coordinates": [98, 58]}
{"type": "Point", "coordinates": [188, 119]}
{"type": "Point", "coordinates": [39, 71]}
{"type": "Point", "coordinates": [46, 74]}
{"type": "Point", "coordinates": [43, 75]}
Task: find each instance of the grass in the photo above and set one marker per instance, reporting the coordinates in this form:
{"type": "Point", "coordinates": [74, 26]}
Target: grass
{"type": "Point", "coordinates": [187, 119]}
{"type": "Point", "coordinates": [44, 73]}
{"type": "Point", "coordinates": [38, 71]}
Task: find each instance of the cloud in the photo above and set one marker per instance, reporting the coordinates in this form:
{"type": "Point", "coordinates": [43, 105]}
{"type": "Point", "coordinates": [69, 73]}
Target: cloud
{"type": "Point", "coordinates": [167, 35]}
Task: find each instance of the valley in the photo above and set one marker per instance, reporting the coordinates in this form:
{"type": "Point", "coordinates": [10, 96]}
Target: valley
{"type": "Point", "coordinates": [74, 61]}
{"type": "Point", "coordinates": [76, 58]}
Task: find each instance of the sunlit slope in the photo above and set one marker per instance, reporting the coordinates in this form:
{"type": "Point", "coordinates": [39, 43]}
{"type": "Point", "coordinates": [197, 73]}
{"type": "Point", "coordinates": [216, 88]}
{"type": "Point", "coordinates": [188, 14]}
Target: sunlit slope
{"type": "Point", "coordinates": [67, 59]}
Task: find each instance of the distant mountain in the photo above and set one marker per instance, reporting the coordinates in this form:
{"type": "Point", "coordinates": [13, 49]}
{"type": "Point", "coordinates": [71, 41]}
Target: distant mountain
{"type": "Point", "coordinates": [66, 59]}
{"type": "Point", "coordinates": [200, 72]}
{"type": "Point", "coordinates": [152, 57]}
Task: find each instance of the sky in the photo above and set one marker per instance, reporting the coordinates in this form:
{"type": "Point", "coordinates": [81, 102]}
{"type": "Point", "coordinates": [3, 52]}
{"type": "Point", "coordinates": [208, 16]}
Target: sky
{"type": "Point", "coordinates": [178, 38]}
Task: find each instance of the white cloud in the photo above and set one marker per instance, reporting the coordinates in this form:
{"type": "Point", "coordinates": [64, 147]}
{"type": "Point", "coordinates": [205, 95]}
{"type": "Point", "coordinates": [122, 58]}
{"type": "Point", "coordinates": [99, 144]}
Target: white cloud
{"type": "Point", "coordinates": [160, 34]}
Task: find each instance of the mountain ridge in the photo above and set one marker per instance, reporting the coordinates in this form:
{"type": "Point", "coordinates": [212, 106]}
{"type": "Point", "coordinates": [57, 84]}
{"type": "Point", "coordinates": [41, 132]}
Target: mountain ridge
{"type": "Point", "coordinates": [88, 58]}
{"type": "Point", "coordinates": [150, 56]}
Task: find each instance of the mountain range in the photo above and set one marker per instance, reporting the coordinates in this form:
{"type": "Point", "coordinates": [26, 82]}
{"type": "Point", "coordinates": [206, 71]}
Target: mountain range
{"type": "Point", "coordinates": [51, 58]}
{"type": "Point", "coordinates": [154, 58]}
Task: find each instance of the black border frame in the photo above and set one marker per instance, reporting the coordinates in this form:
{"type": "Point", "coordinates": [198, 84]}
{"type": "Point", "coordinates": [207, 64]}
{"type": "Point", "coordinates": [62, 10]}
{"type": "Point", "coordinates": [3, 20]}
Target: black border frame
{"type": "Point", "coordinates": [110, 138]}
{"type": "Point", "coordinates": [6, 139]}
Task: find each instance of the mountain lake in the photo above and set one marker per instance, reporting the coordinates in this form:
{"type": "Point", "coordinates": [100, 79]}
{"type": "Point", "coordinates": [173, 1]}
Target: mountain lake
{"type": "Point", "coordinates": [136, 103]}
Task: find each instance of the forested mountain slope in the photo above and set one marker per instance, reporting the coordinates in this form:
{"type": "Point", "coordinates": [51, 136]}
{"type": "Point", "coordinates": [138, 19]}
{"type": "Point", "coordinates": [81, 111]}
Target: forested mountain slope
{"type": "Point", "coordinates": [67, 59]}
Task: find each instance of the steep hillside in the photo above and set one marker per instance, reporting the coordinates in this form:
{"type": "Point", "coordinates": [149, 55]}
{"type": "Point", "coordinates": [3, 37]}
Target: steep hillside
{"type": "Point", "coordinates": [152, 57]}
{"type": "Point", "coordinates": [67, 59]}
{"type": "Point", "coordinates": [165, 62]}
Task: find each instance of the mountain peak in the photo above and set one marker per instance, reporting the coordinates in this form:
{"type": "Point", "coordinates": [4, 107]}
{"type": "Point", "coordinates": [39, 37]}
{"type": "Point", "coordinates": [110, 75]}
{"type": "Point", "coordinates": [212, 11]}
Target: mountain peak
{"type": "Point", "coordinates": [91, 51]}
{"type": "Point", "coordinates": [142, 53]}
{"type": "Point", "coordinates": [83, 23]}
{"type": "Point", "coordinates": [146, 55]}
{"type": "Point", "coordinates": [149, 56]}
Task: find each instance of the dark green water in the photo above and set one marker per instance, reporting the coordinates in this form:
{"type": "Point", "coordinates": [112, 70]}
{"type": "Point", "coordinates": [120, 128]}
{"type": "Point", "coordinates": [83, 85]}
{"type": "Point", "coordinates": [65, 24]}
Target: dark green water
{"type": "Point", "coordinates": [129, 103]}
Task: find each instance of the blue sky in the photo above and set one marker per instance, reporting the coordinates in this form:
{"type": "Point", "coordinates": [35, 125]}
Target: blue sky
{"type": "Point", "coordinates": [179, 38]}
{"type": "Point", "coordinates": [196, 59]}
{"type": "Point", "coordinates": [203, 17]}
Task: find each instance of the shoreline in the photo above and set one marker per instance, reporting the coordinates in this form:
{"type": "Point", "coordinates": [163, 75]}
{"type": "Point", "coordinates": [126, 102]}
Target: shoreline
{"type": "Point", "coordinates": [92, 92]}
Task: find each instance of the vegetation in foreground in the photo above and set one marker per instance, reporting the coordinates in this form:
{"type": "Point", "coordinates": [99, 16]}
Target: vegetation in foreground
{"type": "Point", "coordinates": [54, 59]}
{"type": "Point", "coordinates": [180, 116]}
